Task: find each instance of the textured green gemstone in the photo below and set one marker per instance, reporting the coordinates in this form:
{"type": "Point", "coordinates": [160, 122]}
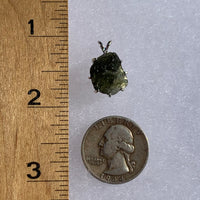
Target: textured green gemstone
{"type": "Point", "coordinates": [107, 74]}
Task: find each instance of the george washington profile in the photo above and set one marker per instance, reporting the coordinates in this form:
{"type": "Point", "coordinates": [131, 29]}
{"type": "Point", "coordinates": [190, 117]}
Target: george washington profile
{"type": "Point", "coordinates": [116, 146]}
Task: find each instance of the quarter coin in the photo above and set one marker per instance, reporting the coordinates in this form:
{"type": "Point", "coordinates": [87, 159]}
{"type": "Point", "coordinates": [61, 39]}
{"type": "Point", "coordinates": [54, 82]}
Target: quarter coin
{"type": "Point", "coordinates": [114, 149]}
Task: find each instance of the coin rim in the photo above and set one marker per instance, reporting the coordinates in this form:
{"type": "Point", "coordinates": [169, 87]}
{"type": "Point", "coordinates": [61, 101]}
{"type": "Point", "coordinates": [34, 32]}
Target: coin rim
{"type": "Point", "coordinates": [82, 152]}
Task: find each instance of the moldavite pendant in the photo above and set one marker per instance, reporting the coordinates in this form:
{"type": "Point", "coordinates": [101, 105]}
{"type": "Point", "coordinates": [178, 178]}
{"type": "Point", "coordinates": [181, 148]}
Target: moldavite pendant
{"type": "Point", "coordinates": [106, 72]}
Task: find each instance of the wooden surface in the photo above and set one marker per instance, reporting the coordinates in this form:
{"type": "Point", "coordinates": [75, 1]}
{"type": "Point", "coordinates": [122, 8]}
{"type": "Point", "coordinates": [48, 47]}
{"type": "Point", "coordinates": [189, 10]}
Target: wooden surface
{"type": "Point", "coordinates": [37, 133]}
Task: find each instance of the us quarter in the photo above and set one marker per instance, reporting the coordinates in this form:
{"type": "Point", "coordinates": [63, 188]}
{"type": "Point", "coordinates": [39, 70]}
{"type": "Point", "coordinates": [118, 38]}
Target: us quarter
{"type": "Point", "coordinates": [114, 149]}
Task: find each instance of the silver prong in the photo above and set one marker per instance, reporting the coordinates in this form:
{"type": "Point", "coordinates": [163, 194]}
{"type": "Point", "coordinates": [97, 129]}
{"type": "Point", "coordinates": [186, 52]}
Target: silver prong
{"type": "Point", "coordinates": [107, 46]}
{"type": "Point", "coordinates": [96, 91]}
{"type": "Point", "coordinates": [101, 46]}
{"type": "Point", "coordinates": [89, 77]}
{"type": "Point", "coordinates": [93, 59]}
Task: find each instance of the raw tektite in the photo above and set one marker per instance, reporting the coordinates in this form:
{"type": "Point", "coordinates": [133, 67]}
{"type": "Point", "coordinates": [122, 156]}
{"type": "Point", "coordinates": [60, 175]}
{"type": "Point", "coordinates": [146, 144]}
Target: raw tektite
{"type": "Point", "coordinates": [107, 74]}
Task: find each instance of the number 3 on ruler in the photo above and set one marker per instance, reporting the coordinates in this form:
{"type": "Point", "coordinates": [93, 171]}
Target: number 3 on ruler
{"type": "Point", "coordinates": [34, 169]}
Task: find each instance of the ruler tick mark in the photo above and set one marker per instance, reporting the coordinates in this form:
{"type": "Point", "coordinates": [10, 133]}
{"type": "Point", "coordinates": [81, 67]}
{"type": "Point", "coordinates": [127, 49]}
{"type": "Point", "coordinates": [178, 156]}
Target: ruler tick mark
{"type": "Point", "coordinates": [61, 45]}
{"type": "Point", "coordinates": [61, 190]}
{"type": "Point", "coordinates": [63, 32]}
{"type": "Point", "coordinates": [63, 157]}
{"type": "Point", "coordinates": [59, 88]}
{"type": "Point", "coordinates": [61, 10]}
{"type": "Point", "coordinates": [59, 199]}
{"type": "Point", "coordinates": [61, 80]}
{"type": "Point", "coordinates": [61, 97]}
{"type": "Point", "coordinates": [47, 107]}
{"type": "Point", "coordinates": [62, 161]}
{"type": "Point", "coordinates": [51, 143]}
{"type": "Point", "coordinates": [64, 27]}
{"type": "Point", "coordinates": [54, 2]}
{"type": "Point", "coordinates": [47, 181]}
{"type": "Point", "coordinates": [48, 36]}
{"type": "Point", "coordinates": [58, 53]}
{"type": "Point", "coordinates": [59, 124]}
{"type": "Point", "coordinates": [63, 84]}
{"type": "Point", "coordinates": [56, 71]}
{"type": "Point", "coordinates": [58, 19]}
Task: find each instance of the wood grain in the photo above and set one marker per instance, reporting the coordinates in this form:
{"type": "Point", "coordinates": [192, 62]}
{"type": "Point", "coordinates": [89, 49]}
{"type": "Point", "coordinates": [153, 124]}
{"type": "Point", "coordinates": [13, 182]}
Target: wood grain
{"type": "Point", "coordinates": [36, 133]}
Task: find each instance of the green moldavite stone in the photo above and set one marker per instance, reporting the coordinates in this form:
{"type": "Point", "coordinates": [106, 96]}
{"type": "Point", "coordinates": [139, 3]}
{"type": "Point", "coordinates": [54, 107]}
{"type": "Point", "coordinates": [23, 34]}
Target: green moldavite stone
{"type": "Point", "coordinates": [107, 74]}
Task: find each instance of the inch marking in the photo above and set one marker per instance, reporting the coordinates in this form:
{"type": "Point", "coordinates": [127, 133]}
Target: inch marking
{"type": "Point", "coordinates": [65, 171]}
{"type": "Point", "coordinates": [63, 84]}
{"type": "Point", "coordinates": [63, 157]}
{"type": "Point", "coordinates": [56, 53]}
{"type": "Point", "coordinates": [65, 27]}
{"type": "Point", "coordinates": [54, 2]}
{"type": "Point", "coordinates": [40, 181]}
{"type": "Point", "coordinates": [59, 124]}
{"type": "Point", "coordinates": [61, 79]}
{"type": "Point", "coordinates": [63, 175]}
{"type": "Point", "coordinates": [56, 71]}
{"type": "Point", "coordinates": [54, 143]}
{"type": "Point", "coordinates": [48, 36]}
{"type": "Point", "coordinates": [61, 10]}
{"type": "Point", "coordinates": [58, 19]}
{"type": "Point", "coordinates": [59, 199]}
{"type": "Point", "coordinates": [59, 88]}
{"type": "Point", "coordinates": [47, 106]}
